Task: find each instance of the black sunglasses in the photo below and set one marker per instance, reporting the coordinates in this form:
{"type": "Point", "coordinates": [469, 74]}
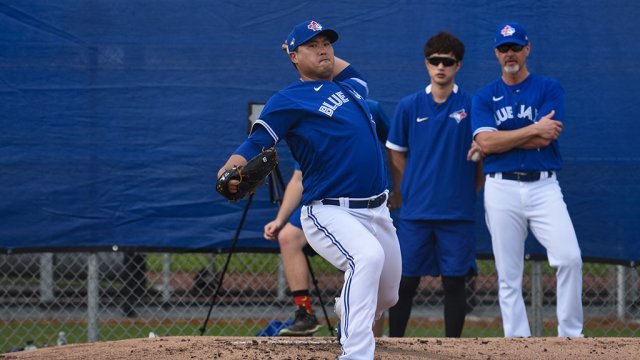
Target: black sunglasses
{"type": "Point", "coordinates": [446, 61]}
{"type": "Point", "coordinates": [513, 47]}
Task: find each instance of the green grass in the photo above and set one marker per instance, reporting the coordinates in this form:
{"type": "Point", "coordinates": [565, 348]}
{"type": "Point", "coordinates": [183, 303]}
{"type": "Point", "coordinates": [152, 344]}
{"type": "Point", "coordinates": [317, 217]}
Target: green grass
{"type": "Point", "coordinates": [241, 262]}
{"type": "Point", "coordinates": [41, 333]}
{"type": "Point", "coordinates": [255, 263]}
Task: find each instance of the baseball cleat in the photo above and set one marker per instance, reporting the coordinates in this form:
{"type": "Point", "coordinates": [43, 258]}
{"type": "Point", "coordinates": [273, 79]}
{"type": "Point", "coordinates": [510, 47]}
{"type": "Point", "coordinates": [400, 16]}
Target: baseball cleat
{"type": "Point", "coordinates": [304, 324]}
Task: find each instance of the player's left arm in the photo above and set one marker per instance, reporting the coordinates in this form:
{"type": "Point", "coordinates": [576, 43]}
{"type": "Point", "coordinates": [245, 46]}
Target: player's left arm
{"type": "Point", "coordinates": [259, 140]}
{"type": "Point", "coordinates": [552, 109]}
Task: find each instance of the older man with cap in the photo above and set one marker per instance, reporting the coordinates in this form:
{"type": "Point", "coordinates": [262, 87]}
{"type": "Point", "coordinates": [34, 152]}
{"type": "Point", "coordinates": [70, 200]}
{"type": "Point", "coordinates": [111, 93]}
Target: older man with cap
{"type": "Point", "coordinates": [517, 120]}
{"type": "Point", "coordinates": [328, 126]}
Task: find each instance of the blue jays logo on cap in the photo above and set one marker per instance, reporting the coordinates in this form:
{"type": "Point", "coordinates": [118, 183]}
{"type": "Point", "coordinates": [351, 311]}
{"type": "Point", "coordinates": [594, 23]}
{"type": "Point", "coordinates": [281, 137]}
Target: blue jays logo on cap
{"type": "Point", "coordinates": [511, 33]}
{"type": "Point", "coordinates": [306, 31]}
{"type": "Point", "coordinates": [507, 31]}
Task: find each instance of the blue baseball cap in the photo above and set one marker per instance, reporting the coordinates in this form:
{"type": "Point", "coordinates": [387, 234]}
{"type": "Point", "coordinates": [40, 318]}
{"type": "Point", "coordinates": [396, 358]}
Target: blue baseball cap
{"type": "Point", "coordinates": [511, 33]}
{"type": "Point", "coordinates": [306, 31]}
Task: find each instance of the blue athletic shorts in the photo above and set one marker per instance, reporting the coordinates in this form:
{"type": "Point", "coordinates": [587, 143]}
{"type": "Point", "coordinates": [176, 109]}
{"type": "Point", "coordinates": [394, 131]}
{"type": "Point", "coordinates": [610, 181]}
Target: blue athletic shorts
{"type": "Point", "coordinates": [294, 219]}
{"type": "Point", "coordinates": [437, 247]}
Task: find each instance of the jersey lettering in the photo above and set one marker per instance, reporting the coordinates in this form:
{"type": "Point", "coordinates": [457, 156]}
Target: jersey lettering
{"type": "Point", "coordinates": [506, 113]}
{"type": "Point", "coordinates": [527, 113]}
{"type": "Point", "coordinates": [334, 102]}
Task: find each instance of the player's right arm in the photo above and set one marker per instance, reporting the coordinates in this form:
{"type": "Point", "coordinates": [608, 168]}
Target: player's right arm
{"type": "Point", "coordinates": [338, 66]}
{"type": "Point", "coordinates": [290, 201]}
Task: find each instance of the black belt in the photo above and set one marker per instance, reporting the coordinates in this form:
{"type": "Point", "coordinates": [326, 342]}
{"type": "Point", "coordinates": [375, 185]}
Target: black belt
{"type": "Point", "coordinates": [359, 204]}
{"type": "Point", "coordinates": [522, 175]}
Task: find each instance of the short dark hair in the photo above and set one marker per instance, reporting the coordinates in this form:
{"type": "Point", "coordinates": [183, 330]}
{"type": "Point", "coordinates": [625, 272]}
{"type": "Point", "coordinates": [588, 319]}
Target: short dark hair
{"type": "Point", "coordinates": [444, 43]}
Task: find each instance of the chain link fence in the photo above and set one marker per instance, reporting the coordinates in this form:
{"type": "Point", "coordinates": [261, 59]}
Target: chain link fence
{"type": "Point", "coordinates": [50, 299]}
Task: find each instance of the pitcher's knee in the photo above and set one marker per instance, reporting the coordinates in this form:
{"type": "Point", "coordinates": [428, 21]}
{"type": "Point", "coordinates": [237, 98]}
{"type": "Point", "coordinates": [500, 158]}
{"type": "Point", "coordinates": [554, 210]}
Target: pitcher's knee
{"type": "Point", "coordinates": [372, 260]}
{"type": "Point", "coordinates": [571, 262]}
{"type": "Point", "coordinates": [386, 300]}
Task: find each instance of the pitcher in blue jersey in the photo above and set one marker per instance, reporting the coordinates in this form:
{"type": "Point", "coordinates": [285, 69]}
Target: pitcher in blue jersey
{"type": "Point", "coordinates": [517, 120]}
{"type": "Point", "coordinates": [287, 229]}
{"type": "Point", "coordinates": [326, 122]}
{"type": "Point", "coordinates": [435, 186]}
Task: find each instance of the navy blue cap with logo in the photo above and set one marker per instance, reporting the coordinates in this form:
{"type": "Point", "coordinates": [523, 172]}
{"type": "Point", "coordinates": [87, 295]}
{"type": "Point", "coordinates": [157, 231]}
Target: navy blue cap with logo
{"type": "Point", "coordinates": [306, 31]}
{"type": "Point", "coordinates": [511, 33]}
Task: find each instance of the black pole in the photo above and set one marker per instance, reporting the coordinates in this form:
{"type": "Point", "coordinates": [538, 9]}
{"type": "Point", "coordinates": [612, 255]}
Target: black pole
{"type": "Point", "coordinates": [234, 241]}
{"type": "Point", "coordinates": [315, 285]}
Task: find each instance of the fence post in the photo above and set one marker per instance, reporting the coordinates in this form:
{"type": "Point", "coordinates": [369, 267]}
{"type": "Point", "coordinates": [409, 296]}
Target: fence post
{"type": "Point", "coordinates": [93, 297]}
{"type": "Point", "coordinates": [282, 282]}
{"type": "Point", "coordinates": [166, 278]}
{"type": "Point", "coordinates": [633, 284]}
{"type": "Point", "coordinates": [621, 292]}
{"type": "Point", "coordinates": [537, 295]}
{"type": "Point", "coordinates": [46, 278]}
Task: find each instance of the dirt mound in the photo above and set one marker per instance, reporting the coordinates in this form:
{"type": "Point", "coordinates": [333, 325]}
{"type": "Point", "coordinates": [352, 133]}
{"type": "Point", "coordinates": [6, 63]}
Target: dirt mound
{"type": "Point", "coordinates": [327, 348]}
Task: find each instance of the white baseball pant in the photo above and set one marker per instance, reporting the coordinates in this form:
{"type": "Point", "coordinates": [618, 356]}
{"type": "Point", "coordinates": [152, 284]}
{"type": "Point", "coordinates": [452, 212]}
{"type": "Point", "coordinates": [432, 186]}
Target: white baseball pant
{"type": "Point", "coordinates": [363, 244]}
{"type": "Point", "coordinates": [510, 207]}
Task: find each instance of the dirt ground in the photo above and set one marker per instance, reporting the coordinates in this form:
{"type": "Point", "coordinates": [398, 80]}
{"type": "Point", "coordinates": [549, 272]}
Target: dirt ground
{"type": "Point", "coordinates": [275, 348]}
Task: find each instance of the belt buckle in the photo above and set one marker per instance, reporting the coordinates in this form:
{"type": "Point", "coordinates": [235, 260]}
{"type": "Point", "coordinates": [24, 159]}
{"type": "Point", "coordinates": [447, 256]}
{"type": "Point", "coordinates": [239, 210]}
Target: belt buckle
{"type": "Point", "coordinates": [369, 201]}
{"type": "Point", "coordinates": [519, 175]}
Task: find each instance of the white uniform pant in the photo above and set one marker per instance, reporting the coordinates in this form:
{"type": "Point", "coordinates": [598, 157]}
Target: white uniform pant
{"type": "Point", "coordinates": [512, 206]}
{"type": "Point", "coordinates": [363, 244]}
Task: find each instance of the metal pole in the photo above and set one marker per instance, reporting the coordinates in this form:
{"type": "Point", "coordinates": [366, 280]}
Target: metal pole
{"type": "Point", "coordinates": [234, 241]}
{"type": "Point", "coordinates": [621, 292]}
{"type": "Point", "coordinates": [537, 295]}
{"type": "Point", "coordinates": [282, 283]}
{"type": "Point", "coordinates": [46, 278]}
{"type": "Point", "coordinates": [166, 278]}
{"type": "Point", "coordinates": [633, 281]}
{"type": "Point", "coordinates": [93, 298]}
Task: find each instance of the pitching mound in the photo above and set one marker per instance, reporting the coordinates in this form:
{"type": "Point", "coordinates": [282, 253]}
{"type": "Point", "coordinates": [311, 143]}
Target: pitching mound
{"type": "Point", "coordinates": [328, 348]}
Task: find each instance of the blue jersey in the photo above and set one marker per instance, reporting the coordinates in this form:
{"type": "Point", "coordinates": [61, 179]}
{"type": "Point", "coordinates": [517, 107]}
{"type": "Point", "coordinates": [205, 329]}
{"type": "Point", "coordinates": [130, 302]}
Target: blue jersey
{"type": "Point", "coordinates": [499, 106]}
{"type": "Point", "coordinates": [331, 134]}
{"type": "Point", "coordinates": [438, 182]}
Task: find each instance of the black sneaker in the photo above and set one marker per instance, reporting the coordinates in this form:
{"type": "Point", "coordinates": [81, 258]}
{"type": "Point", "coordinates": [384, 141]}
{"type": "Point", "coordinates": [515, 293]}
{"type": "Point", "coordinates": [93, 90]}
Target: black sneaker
{"type": "Point", "coordinates": [305, 324]}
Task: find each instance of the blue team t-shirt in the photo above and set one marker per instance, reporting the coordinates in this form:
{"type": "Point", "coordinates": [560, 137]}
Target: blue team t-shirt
{"type": "Point", "coordinates": [499, 106]}
{"type": "Point", "coordinates": [438, 181]}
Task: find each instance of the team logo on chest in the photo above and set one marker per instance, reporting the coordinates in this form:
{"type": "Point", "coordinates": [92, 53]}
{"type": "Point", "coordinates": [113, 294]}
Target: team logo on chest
{"type": "Point", "coordinates": [458, 115]}
{"type": "Point", "coordinates": [333, 102]}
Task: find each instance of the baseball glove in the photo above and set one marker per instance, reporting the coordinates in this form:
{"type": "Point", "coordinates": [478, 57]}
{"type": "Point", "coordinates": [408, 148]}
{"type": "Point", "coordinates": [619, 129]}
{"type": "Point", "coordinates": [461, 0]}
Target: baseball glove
{"type": "Point", "coordinates": [250, 176]}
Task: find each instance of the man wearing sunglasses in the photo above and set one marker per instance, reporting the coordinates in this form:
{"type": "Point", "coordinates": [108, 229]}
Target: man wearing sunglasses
{"type": "Point", "coordinates": [517, 120]}
{"type": "Point", "coordinates": [434, 186]}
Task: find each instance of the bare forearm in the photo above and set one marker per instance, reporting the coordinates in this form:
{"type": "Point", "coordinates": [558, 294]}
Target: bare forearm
{"type": "Point", "coordinates": [292, 197]}
{"type": "Point", "coordinates": [535, 143]}
{"type": "Point", "coordinates": [538, 134]}
{"type": "Point", "coordinates": [397, 163]}
{"type": "Point", "coordinates": [496, 142]}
